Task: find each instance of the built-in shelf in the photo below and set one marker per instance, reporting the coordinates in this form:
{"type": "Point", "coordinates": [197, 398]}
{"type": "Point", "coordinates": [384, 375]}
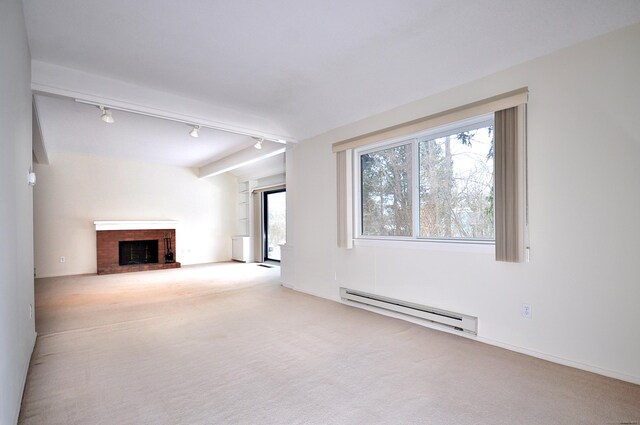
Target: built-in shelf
{"type": "Point", "coordinates": [244, 208]}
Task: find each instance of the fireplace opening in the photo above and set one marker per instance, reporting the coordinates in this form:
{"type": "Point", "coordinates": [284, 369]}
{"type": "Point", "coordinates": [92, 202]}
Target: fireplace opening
{"type": "Point", "coordinates": [138, 252]}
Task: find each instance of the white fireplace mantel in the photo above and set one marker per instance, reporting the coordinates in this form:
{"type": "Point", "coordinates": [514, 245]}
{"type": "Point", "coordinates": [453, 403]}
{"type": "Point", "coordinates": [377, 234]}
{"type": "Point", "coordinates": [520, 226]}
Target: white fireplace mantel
{"type": "Point", "coordinates": [135, 225]}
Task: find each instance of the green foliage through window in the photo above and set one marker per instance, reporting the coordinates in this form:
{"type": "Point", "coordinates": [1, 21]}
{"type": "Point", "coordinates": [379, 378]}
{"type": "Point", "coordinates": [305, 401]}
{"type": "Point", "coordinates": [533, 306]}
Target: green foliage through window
{"type": "Point", "coordinates": [455, 185]}
{"type": "Point", "coordinates": [386, 192]}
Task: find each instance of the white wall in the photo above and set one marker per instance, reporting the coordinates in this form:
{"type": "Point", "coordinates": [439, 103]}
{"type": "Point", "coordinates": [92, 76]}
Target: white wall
{"type": "Point", "coordinates": [583, 281]}
{"type": "Point", "coordinates": [17, 331]}
{"type": "Point", "coordinates": [74, 190]}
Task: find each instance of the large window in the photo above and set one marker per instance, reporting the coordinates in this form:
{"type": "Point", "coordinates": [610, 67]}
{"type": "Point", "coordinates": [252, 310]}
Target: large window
{"type": "Point", "coordinates": [434, 185]}
{"type": "Point", "coordinates": [456, 175]}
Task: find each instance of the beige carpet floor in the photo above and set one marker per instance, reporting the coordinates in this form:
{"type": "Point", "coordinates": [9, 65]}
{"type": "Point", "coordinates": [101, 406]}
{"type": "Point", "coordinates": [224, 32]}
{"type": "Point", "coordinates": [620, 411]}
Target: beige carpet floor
{"type": "Point", "coordinates": [225, 344]}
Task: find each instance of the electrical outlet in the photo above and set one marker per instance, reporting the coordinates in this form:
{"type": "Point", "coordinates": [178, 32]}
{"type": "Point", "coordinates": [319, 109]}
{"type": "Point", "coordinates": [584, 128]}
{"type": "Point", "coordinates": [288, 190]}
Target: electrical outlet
{"type": "Point", "coordinates": [30, 311]}
{"type": "Point", "coordinates": [62, 259]}
{"type": "Point", "coordinates": [526, 311]}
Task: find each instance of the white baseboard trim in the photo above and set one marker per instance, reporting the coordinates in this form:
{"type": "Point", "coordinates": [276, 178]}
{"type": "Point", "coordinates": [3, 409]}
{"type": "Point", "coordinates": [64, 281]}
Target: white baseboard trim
{"type": "Point", "coordinates": [506, 346]}
{"type": "Point", "coordinates": [565, 362]}
{"type": "Point", "coordinates": [16, 415]}
{"type": "Point", "coordinates": [312, 293]}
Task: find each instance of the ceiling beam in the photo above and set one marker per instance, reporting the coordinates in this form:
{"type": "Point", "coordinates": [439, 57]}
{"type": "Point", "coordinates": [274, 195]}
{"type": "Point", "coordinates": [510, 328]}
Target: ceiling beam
{"type": "Point", "coordinates": [240, 159]}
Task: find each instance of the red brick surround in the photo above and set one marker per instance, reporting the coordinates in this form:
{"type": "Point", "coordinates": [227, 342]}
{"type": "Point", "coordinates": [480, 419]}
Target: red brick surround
{"type": "Point", "coordinates": [107, 247]}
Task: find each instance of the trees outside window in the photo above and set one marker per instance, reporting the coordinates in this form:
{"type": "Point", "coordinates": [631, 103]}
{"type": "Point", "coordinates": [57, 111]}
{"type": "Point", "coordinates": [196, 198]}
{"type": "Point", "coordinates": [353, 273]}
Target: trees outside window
{"type": "Point", "coordinates": [453, 172]}
{"type": "Point", "coordinates": [456, 185]}
{"type": "Point", "coordinates": [386, 192]}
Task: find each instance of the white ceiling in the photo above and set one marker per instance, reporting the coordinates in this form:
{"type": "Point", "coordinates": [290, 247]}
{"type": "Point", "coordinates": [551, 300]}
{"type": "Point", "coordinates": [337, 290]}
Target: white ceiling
{"type": "Point", "coordinates": [305, 67]}
{"type": "Point", "coordinates": [77, 128]}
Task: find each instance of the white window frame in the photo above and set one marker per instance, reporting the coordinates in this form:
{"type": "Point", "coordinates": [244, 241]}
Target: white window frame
{"type": "Point", "coordinates": [412, 139]}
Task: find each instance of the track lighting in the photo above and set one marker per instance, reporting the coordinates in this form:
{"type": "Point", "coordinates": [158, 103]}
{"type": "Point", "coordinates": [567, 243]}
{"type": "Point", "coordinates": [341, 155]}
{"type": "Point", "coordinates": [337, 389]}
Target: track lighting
{"type": "Point", "coordinates": [106, 115]}
{"type": "Point", "coordinates": [194, 132]}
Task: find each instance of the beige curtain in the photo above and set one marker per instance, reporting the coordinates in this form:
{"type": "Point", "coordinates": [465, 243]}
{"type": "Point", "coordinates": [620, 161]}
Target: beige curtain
{"type": "Point", "coordinates": [344, 165]}
{"type": "Point", "coordinates": [509, 163]}
{"type": "Point", "coordinates": [258, 231]}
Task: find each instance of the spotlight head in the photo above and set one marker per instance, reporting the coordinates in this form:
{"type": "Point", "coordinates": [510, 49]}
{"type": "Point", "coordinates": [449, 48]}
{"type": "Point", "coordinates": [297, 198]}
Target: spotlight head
{"type": "Point", "coordinates": [258, 144]}
{"type": "Point", "coordinates": [106, 115]}
{"type": "Point", "coordinates": [194, 131]}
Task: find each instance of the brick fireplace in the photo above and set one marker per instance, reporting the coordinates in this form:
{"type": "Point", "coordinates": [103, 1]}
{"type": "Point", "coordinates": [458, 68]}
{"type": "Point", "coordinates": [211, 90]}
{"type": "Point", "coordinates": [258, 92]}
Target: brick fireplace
{"type": "Point", "coordinates": [131, 246]}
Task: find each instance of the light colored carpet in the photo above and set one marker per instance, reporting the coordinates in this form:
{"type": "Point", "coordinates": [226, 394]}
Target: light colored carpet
{"type": "Point", "coordinates": [225, 344]}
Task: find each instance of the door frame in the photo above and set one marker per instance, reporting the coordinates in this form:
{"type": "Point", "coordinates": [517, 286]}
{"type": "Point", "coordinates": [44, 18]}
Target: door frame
{"type": "Point", "coordinates": [265, 223]}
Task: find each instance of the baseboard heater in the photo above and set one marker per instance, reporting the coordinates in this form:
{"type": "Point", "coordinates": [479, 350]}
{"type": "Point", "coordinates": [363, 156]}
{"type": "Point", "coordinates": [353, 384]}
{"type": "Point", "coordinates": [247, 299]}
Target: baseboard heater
{"type": "Point", "coordinates": [456, 321]}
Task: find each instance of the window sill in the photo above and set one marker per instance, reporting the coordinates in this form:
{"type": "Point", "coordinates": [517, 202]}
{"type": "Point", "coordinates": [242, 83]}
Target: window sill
{"type": "Point", "coordinates": [430, 245]}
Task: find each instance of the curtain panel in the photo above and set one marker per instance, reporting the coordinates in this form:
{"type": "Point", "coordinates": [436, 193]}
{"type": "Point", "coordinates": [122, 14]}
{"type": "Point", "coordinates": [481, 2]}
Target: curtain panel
{"type": "Point", "coordinates": [509, 166]}
{"type": "Point", "coordinates": [344, 165]}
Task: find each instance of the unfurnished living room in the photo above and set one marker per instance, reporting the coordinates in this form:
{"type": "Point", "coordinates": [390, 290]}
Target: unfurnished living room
{"type": "Point", "coordinates": [305, 212]}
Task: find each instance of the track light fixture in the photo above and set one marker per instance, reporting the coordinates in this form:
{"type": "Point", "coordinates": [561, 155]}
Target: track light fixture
{"type": "Point", "coordinates": [194, 132]}
{"type": "Point", "coordinates": [106, 115]}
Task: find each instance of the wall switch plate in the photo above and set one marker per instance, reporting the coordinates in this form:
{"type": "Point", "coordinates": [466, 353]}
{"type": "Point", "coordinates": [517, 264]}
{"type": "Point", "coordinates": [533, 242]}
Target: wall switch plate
{"type": "Point", "coordinates": [62, 259]}
{"type": "Point", "coordinates": [526, 311]}
{"type": "Point", "coordinates": [30, 311]}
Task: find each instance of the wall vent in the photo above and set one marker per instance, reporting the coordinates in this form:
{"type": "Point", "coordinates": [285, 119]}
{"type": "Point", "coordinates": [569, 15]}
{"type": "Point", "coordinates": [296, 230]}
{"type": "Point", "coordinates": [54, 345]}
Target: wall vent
{"type": "Point", "coordinates": [456, 321]}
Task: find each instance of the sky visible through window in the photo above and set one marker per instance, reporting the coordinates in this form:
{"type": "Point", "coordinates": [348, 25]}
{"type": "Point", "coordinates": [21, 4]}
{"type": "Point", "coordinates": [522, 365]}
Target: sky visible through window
{"type": "Point", "coordinates": [455, 187]}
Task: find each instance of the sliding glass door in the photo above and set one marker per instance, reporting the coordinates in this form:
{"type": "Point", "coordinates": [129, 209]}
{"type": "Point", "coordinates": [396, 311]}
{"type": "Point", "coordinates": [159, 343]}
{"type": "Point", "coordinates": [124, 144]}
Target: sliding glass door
{"type": "Point", "coordinates": [275, 223]}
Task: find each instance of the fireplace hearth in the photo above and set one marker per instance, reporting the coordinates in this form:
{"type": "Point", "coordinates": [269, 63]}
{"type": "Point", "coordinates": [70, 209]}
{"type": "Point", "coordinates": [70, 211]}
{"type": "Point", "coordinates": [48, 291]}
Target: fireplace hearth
{"type": "Point", "coordinates": [134, 246]}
